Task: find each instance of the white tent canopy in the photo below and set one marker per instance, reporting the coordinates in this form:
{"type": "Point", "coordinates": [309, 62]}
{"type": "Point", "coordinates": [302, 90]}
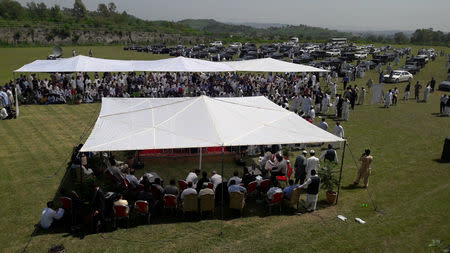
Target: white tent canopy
{"type": "Point", "coordinates": [162, 123]}
{"type": "Point", "coordinates": [78, 63]}
{"type": "Point", "coordinates": [271, 65]}
{"type": "Point", "coordinates": [83, 63]}
{"type": "Point", "coordinates": [181, 64]}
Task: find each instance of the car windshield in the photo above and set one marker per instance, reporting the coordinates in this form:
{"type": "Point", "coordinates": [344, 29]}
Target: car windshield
{"type": "Point", "coordinates": [397, 73]}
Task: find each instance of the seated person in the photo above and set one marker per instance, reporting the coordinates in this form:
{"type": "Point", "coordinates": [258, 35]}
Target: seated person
{"type": "Point", "coordinates": [189, 190]}
{"type": "Point", "coordinates": [114, 170]}
{"type": "Point", "coordinates": [193, 177]}
{"type": "Point", "coordinates": [171, 188]}
{"type": "Point", "coordinates": [235, 177]}
{"type": "Point", "coordinates": [216, 179]}
{"type": "Point", "coordinates": [205, 190]}
{"type": "Point", "coordinates": [287, 191]}
{"type": "Point", "coordinates": [236, 188]}
{"type": "Point", "coordinates": [247, 177]}
{"type": "Point", "coordinates": [202, 180]}
{"type": "Point", "coordinates": [274, 189]}
{"type": "Point", "coordinates": [132, 179]}
{"type": "Point", "coordinates": [121, 201]}
{"type": "Point", "coordinates": [49, 215]}
{"type": "Point", "coordinates": [146, 195]}
{"type": "Point", "coordinates": [157, 190]}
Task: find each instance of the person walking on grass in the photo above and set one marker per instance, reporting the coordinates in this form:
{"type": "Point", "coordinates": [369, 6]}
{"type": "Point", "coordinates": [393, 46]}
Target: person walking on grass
{"type": "Point", "coordinates": [417, 88]}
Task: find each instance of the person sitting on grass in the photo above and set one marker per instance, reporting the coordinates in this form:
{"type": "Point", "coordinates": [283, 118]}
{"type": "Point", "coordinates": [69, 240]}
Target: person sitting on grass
{"type": "Point", "coordinates": [287, 191]}
{"type": "Point", "coordinates": [236, 188]}
{"type": "Point", "coordinates": [49, 215]}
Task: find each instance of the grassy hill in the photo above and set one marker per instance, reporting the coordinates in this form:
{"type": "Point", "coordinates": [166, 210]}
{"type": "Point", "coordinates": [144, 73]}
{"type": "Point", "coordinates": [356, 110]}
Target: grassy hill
{"type": "Point", "coordinates": [408, 185]}
{"type": "Point", "coordinates": [285, 32]}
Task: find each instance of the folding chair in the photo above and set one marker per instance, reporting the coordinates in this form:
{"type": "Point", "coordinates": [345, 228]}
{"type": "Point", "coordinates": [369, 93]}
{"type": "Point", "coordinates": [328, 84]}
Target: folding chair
{"type": "Point", "coordinates": [142, 209]}
{"type": "Point", "coordinates": [207, 204]}
{"type": "Point", "coordinates": [121, 212]}
{"type": "Point", "coordinates": [276, 200]}
{"type": "Point", "coordinates": [190, 203]}
{"type": "Point", "coordinates": [170, 202]}
{"type": "Point", "coordinates": [251, 188]}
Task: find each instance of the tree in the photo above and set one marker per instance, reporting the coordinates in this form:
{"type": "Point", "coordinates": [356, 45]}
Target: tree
{"type": "Point", "coordinates": [112, 8]}
{"type": "Point", "coordinates": [55, 14]}
{"type": "Point", "coordinates": [102, 10]}
{"type": "Point", "coordinates": [400, 38]}
{"type": "Point", "coordinates": [11, 10]}
{"type": "Point", "coordinates": [79, 10]}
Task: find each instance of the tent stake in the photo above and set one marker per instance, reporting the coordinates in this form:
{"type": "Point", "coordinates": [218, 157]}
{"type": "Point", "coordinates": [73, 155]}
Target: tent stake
{"type": "Point", "coordinates": [340, 173]}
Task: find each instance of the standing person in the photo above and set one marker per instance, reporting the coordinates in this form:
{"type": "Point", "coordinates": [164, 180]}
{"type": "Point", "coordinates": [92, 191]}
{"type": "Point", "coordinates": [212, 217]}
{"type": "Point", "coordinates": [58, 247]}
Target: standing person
{"type": "Point", "coordinates": [333, 89]}
{"type": "Point", "coordinates": [345, 109]}
{"type": "Point", "coordinates": [300, 167]}
{"type": "Point", "coordinates": [312, 163]}
{"type": "Point", "coordinates": [339, 131]}
{"type": "Point", "coordinates": [407, 91]}
{"type": "Point", "coordinates": [339, 106]}
{"type": "Point", "coordinates": [417, 88]}
{"type": "Point", "coordinates": [345, 80]}
{"type": "Point", "coordinates": [364, 172]}
{"type": "Point", "coordinates": [312, 191]}
{"type": "Point", "coordinates": [353, 97]}
{"type": "Point", "coordinates": [387, 99]}
{"type": "Point", "coordinates": [334, 105]}
{"type": "Point", "coordinates": [325, 103]}
{"type": "Point", "coordinates": [394, 96]}
{"type": "Point", "coordinates": [442, 104]}
{"type": "Point", "coordinates": [329, 154]}
{"type": "Point", "coordinates": [361, 96]}
{"type": "Point", "coordinates": [90, 53]}
{"type": "Point", "coordinates": [432, 84]}
{"type": "Point", "coordinates": [426, 92]}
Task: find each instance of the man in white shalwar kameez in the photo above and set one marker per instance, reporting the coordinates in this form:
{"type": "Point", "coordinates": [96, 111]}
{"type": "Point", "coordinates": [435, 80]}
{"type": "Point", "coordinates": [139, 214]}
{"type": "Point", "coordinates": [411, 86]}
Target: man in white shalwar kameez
{"type": "Point", "coordinates": [339, 131]}
{"type": "Point", "coordinates": [325, 103]}
{"type": "Point", "coordinates": [361, 96]}
{"type": "Point", "coordinates": [426, 92]}
{"type": "Point", "coordinates": [387, 99]}
{"type": "Point", "coordinates": [345, 109]}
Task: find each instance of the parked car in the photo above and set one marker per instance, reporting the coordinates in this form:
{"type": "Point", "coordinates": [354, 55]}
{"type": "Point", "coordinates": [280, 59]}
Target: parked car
{"type": "Point", "coordinates": [334, 52]}
{"type": "Point", "coordinates": [445, 85]}
{"type": "Point", "coordinates": [398, 76]}
{"type": "Point", "coordinates": [412, 68]}
{"type": "Point", "coordinates": [216, 44]}
{"type": "Point", "coordinates": [360, 55]}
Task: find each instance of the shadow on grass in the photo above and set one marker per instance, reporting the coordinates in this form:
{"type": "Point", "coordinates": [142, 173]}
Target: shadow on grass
{"type": "Point", "coordinates": [440, 161]}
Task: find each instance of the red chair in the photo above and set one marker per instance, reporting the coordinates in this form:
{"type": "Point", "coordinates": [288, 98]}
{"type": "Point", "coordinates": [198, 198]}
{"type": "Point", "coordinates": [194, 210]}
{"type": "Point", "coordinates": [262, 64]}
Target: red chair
{"type": "Point", "coordinates": [121, 212]}
{"type": "Point", "coordinates": [140, 187]}
{"type": "Point", "coordinates": [251, 187]}
{"type": "Point", "coordinates": [67, 206]}
{"type": "Point", "coordinates": [264, 185]}
{"type": "Point", "coordinates": [182, 185]}
{"type": "Point", "coordinates": [276, 200]}
{"type": "Point", "coordinates": [210, 185]}
{"type": "Point", "coordinates": [284, 178]}
{"type": "Point", "coordinates": [170, 202]}
{"type": "Point", "coordinates": [141, 207]}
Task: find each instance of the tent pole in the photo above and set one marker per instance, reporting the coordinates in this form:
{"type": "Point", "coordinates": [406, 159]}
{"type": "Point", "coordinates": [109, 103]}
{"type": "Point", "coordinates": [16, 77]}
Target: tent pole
{"type": "Point", "coordinates": [340, 172]}
{"type": "Point", "coordinates": [200, 159]}
{"type": "Point", "coordinates": [221, 221]}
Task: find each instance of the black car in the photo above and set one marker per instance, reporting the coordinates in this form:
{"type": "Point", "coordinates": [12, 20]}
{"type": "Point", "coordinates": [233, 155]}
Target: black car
{"type": "Point", "coordinates": [411, 68]}
{"type": "Point", "coordinates": [445, 85]}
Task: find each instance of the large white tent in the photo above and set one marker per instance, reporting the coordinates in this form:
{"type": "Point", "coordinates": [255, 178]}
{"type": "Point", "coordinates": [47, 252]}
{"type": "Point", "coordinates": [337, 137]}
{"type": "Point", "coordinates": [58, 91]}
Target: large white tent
{"type": "Point", "coordinates": [78, 63]}
{"type": "Point", "coordinates": [271, 65]}
{"type": "Point", "coordinates": [181, 64]}
{"type": "Point", "coordinates": [162, 123]}
{"type": "Point", "coordinates": [83, 63]}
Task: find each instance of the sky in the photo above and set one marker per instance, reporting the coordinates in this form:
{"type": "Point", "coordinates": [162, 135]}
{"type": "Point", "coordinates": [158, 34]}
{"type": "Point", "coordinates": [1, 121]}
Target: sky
{"type": "Point", "coordinates": [361, 15]}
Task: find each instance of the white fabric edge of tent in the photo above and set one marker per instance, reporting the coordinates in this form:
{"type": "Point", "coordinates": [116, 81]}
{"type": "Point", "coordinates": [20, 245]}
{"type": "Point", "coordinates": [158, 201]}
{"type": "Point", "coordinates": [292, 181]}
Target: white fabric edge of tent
{"type": "Point", "coordinates": [94, 149]}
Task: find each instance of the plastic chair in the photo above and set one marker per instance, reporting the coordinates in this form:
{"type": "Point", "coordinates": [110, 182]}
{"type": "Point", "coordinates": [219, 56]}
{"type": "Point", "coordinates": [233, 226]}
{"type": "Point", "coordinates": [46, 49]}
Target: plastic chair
{"type": "Point", "coordinates": [276, 200]}
{"type": "Point", "coordinates": [210, 185]}
{"type": "Point", "coordinates": [140, 187]}
{"type": "Point", "coordinates": [237, 201]}
{"type": "Point", "coordinates": [251, 187]}
{"type": "Point", "coordinates": [264, 185]}
{"type": "Point", "coordinates": [182, 185]}
{"type": "Point", "coordinates": [207, 204]}
{"type": "Point", "coordinates": [294, 200]}
{"type": "Point", "coordinates": [121, 212]}
{"type": "Point", "coordinates": [141, 207]}
{"type": "Point", "coordinates": [190, 203]}
{"type": "Point", "coordinates": [170, 202]}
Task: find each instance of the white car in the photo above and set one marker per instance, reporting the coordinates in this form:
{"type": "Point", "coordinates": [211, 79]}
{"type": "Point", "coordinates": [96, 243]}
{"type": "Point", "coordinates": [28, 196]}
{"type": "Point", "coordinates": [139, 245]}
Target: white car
{"type": "Point", "coordinates": [216, 43]}
{"type": "Point", "coordinates": [333, 52]}
{"type": "Point", "coordinates": [236, 45]}
{"type": "Point", "coordinates": [360, 55]}
{"type": "Point", "coordinates": [398, 76]}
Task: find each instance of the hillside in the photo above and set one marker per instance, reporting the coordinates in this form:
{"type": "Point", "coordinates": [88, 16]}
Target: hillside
{"type": "Point", "coordinates": [279, 32]}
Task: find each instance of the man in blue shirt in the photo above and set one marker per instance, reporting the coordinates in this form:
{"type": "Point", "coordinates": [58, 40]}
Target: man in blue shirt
{"type": "Point", "coordinates": [236, 188]}
{"type": "Point", "coordinates": [287, 191]}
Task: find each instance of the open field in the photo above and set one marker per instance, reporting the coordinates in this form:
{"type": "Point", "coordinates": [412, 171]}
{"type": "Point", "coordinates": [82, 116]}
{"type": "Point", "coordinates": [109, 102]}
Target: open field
{"type": "Point", "coordinates": [407, 182]}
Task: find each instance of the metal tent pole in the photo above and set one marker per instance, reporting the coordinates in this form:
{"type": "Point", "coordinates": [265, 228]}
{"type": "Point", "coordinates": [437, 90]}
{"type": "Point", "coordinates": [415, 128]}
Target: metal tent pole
{"type": "Point", "coordinates": [340, 172]}
{"type": "Point", "coordinates": [200, 159]}
{"type": "Point", "coordinates": [221, 221]}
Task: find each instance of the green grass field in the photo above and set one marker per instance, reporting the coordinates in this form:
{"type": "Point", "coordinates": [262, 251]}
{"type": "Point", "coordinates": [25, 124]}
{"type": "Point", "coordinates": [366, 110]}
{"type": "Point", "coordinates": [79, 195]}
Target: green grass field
{"type": "Point", "coordinates": [407, 182]}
